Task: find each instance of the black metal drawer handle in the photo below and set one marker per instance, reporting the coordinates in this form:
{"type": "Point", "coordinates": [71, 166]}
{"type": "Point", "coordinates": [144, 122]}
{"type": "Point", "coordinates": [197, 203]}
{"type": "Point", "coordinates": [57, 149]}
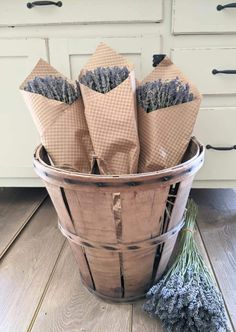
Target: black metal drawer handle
{"type": "Point", "coordinates": [219, 148]}
{"type": "Point", "coordinates": [230, 71]}
{"type": "Point", "coordinates": [229, 5]}
{"type": "Point", "coordinates": [43, 3]}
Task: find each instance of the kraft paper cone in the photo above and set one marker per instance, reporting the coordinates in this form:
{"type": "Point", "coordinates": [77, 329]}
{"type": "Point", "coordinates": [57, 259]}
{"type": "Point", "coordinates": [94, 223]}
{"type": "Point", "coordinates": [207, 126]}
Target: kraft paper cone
{"type": "Point", "coordinates": [112, 117]}
{"type": "Point", "coordinates": [62, 127]}
{"type": "Point", "coordinates": [164, 134]}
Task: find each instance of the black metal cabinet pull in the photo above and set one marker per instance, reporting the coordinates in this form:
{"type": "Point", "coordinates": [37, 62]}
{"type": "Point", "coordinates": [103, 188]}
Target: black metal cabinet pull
{"type": "Point", "coordinates": [229, 5]}
{"type": "Point", "coordinates": [157, 58]}
{"type": "Point", "coordinates": [43, 3]}
{"type": "Point", "coordinates": [230, 71]}
{"type": "Point", "coordinates": [219, 148]}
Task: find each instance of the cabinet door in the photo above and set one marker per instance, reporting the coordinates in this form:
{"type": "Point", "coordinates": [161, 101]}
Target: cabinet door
{"type": "Point", "coordinates": [205, 60]}
{"type": "Point", "coordinates": [18, 136]}
{"type": "Point", "coordinates": [70, 55]}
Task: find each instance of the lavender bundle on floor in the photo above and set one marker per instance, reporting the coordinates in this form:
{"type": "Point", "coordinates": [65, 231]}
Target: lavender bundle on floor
{"type": "Point", "coordinates": [186, 298]}
{"type": "Point", "coordinates": [52, 87]}
{"type": "Point", "coordinates": [104, 79]}
{"type": "Point", "coordinates": [160, 94]}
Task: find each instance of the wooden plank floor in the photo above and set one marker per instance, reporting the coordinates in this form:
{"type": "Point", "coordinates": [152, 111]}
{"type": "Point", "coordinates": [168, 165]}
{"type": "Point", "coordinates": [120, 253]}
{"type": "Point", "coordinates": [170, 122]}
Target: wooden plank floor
{"type": "Point", "coordinates": [40, 288]}
{"type": "Point", "coordinates": [217, 224]}
{"type": "Point", "coordinates": [17, 206]}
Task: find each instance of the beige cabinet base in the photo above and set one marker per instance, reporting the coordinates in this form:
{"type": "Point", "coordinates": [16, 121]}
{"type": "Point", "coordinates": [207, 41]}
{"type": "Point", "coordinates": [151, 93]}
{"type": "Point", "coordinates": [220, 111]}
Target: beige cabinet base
{"type": "Point", "coordinates": [68, 37]}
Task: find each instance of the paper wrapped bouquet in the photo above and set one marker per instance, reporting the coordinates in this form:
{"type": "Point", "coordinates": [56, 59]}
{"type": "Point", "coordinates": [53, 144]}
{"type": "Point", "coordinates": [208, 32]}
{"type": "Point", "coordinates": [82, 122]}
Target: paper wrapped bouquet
{"type": "Point", "coordinates": [108, 88]}
{"type": "Point", "coordinates": [167, 111]}
{"type": "Point", "coordinates": [106, 122]}
{"type": "Point", "coordinates": [58, 112]}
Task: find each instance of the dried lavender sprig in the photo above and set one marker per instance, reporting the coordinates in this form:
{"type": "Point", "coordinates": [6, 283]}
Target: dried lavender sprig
{"type": "Point", "coordinates": [160, 94]}
{"type": "Point", "coordinates": [56, 88]}
{"type": "Point", "coordinates": [104, 79]}
{"type": "Point", "coordinates": [186, 298]}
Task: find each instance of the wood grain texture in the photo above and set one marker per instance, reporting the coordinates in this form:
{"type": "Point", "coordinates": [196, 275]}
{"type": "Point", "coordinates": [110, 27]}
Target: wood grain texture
{"type": "Point", "coordinates": [176, 216]}
{"type": "Point", "coordinates": [110, 210]}
{"type": "Point", "coordinates": [69, 307]}
{"type": "Point", "coordinates": [217, 224]}
{"type": "Point", "coordinates": [17, 205]}
{"type": "Point", "coordinates": [204, 253]}
{"type": "Point", "coordinates": [141, 215]}
{"type": "Point", "coordinates": [26, 268]}
{"type": "Point", "coordinates": [67, 222]}
{"type": "Point", "coordinates": [93, 217]}
{"type": "Point", "coordinates": [142, 322]}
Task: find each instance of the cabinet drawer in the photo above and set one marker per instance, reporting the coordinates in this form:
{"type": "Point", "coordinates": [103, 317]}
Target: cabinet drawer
{"type": "Point", "coordinates": [201, 16]}
{"type": "Point", "coordinates": [15, 12]}
{"type": "Point", "coordinates": [198, 64]}
{"type": "Point", "coordinates": [217, 128]}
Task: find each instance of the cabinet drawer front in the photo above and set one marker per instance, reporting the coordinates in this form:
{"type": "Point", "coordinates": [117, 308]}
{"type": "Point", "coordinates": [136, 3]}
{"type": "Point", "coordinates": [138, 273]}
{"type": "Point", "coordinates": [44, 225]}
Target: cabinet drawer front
{"type": "Point", "coordinates": [15, 12]}
{"type": "Point", "coordinates": [216, 127]}
{"type": "Point", "coordinates": [201, 16]}
{"type": "Point", "coordinates": [197, 65]}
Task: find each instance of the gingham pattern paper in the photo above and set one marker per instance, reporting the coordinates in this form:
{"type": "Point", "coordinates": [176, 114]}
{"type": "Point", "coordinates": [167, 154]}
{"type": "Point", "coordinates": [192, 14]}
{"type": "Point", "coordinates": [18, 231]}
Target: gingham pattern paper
{"type": "Point", "coordinates": [62, 127]}
{"type": "Point", "coordinates": [164, 134]}
{"type": "Point", "coordinates": [112, 118]}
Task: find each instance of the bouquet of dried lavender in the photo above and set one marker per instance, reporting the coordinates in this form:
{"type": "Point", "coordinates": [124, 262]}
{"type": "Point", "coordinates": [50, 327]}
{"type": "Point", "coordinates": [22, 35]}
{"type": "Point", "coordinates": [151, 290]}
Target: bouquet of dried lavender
{"type": "Point", "coordinates": [57, 109]}
{"type": "Point", "coordinates": [159, 94]}
{"type": "Point", "coordinates": [167, 109]}
{"type": "Point", "coordinates": [53, 87]}
{"type": "Point", "coordinates": [104, 79]}
{"type": "Point", "coordinates": [186, 298]}
{"type": "Point", "coordinates": [108, 87]}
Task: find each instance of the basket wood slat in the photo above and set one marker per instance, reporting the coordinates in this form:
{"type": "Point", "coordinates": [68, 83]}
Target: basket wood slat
{"type": "Point", "coordinates": [110, 221]}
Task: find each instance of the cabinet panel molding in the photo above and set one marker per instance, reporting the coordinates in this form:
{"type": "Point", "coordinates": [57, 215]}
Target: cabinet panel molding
{"type": "Point", "coordinates": [18, 136]}
{"type": "Point", "coordinates": [70, 55]}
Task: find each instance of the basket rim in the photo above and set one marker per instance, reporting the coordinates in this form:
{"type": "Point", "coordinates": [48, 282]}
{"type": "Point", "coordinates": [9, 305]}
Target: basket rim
{"type": "Point", "coordinates": [189, 166]}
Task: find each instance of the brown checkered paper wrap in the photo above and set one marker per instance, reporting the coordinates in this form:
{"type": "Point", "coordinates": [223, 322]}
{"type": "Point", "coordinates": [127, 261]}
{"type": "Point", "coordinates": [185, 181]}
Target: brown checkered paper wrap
{"type": "Point", "coordinates": [62, 127]}
{"type": "Point", "coordinates": [112, 117]}
{"type": "Point", "coordinates": [164, 134]}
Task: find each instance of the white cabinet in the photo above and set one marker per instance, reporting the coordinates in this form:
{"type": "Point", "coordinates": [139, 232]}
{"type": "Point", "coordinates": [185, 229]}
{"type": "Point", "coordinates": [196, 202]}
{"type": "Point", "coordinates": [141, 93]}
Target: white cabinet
{"type": "Point", "coordinates": [18, 136]}
{"type": "Point", "coordinates": [75, 52]}
{"type": "Point", "coordinates": [197, 36]}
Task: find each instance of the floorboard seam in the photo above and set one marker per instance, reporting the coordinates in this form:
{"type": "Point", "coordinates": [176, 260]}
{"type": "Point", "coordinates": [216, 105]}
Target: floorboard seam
{"type": "Point", "coordinates": [215, 277]}
{"type": "Point", "coordinates": [131, 318]}
{"type": "Point", "coordinates": [26, 222]}
{"type": "Point", "coordinates": [29, 329]}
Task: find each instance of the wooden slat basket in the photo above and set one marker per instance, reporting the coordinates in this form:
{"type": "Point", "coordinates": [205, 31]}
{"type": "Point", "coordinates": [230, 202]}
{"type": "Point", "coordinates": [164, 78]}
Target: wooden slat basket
{"type": "Point", "coordinates": [122, 229]}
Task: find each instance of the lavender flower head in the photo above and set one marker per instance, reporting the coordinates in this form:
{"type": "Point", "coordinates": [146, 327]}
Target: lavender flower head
{"type": "Point", "coordinates": [104, 79]}
{"type": "Point", "coordinates": [159, 94]}
{"type": "Point", "coordinates": [56, 88]}
{"type": "Point", "coordinates": [186, 298]}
